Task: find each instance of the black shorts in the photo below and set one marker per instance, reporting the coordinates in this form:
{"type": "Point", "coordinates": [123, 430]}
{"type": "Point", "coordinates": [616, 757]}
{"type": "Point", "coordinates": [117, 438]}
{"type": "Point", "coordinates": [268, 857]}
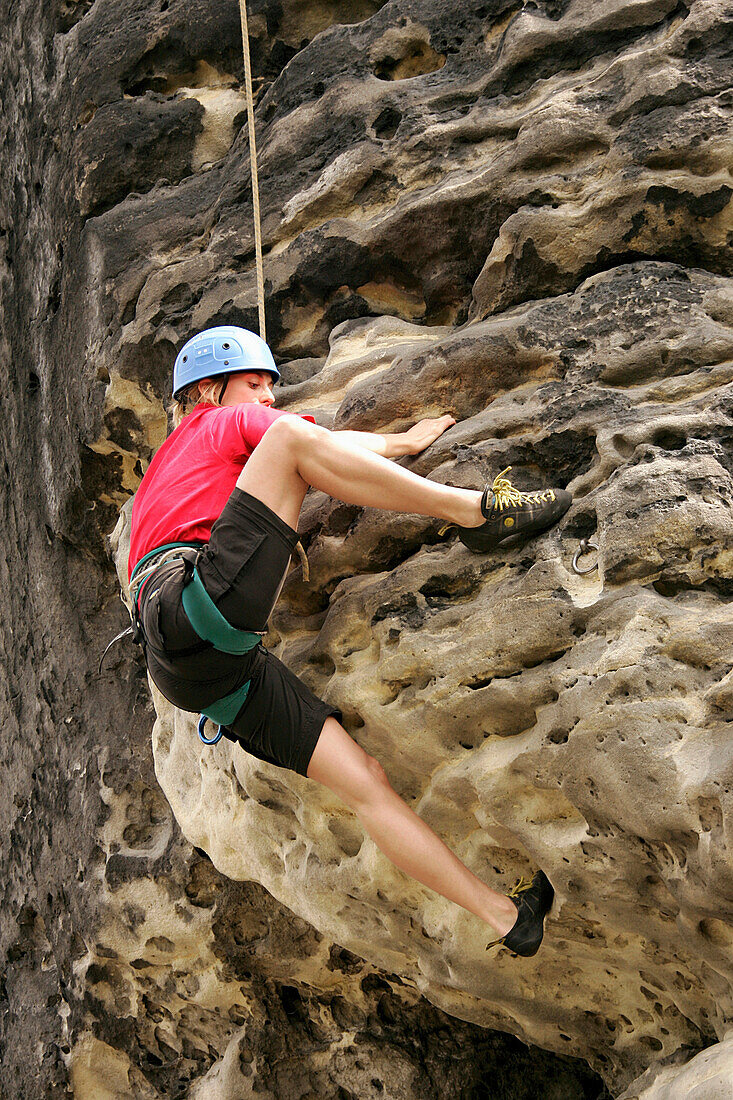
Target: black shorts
{"type": "Point", "coordinates": [242, 567]}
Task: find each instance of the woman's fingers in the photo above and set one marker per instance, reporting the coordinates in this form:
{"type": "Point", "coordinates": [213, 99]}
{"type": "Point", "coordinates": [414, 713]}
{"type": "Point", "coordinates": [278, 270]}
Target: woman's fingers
{"type": "Point", "coordinates": [425, 432]}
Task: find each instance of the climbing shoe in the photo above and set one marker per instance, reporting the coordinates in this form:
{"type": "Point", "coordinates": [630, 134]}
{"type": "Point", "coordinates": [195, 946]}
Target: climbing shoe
{"type": "Point", "coordinates": [533, 900]}
{"type": "Point", "coordinates": [509, 512]}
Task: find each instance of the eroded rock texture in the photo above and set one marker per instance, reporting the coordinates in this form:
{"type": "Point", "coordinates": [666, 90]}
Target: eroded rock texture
{"type": "Point", "coordinates": [516, 213]}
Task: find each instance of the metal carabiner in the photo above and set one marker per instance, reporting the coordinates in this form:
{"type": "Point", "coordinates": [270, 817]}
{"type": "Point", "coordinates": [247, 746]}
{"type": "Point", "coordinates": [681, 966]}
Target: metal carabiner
{"type": "Point", "coordinates": [585, 546]}
{"type": "Point", "coordinates": [209, 740]}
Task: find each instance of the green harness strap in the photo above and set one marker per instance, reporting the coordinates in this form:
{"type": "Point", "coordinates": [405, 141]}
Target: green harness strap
{"type": "Point", "coordinates": [159, 549]}
{"type": "Point", "coordinates": [223, 711]}
{"type": "Point", "coordinates": [209, 623]}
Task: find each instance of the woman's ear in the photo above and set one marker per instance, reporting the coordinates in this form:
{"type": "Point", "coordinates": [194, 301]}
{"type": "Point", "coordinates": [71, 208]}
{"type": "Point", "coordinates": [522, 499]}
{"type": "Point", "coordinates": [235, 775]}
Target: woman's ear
{"type": "Point", "coordinates": [204, 382]}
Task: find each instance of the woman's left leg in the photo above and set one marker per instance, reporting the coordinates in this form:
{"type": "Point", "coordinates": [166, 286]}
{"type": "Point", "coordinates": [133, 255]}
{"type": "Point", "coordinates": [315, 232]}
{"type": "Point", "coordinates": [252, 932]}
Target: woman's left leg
{"type": "Point", "coordinates": [359, 781]}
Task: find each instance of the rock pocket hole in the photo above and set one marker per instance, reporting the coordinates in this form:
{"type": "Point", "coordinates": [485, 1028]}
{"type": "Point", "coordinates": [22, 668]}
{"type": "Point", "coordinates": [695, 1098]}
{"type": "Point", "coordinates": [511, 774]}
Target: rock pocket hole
{"type": "Point", "coordinates": [622, 445]}
{"type": "Point", "coordinates": [669, 439]}
{"type": "Point", "coordinates": [581, 526]}
{"type": "Point", "coordinates": [408, 59]}
{"type": "Point", "coordinates": [386, 123]}
{"type": "Point", "coordinates": [716, 932]}
{"type": "Point", "coordinates": [349, 836]}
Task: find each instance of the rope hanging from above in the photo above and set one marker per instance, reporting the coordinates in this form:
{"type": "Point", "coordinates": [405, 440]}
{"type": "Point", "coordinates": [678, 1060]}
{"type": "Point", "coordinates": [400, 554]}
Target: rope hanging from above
{"type": "Point", "coordinates": [253, 162]}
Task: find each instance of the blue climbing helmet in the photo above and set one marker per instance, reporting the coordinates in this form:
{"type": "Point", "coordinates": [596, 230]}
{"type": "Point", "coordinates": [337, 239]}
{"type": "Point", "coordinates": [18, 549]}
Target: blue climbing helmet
{"type": "Point", "coordinates": [221, 350]}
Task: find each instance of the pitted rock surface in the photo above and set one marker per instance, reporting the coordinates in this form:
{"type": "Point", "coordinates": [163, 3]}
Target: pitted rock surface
{"type": "Point", "coordinates": [576, 723]}
{"type": "Point", "coordinates": [518, 213]}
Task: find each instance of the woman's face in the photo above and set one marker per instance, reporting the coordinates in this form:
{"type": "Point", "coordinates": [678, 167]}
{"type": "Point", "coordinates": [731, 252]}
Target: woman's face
{"type": "Point", "coordinates": [249, 387]}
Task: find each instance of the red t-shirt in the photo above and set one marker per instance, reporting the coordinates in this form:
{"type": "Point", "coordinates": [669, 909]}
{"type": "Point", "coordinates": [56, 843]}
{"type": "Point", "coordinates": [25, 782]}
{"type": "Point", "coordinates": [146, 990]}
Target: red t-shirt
{"type": "Point", "coordinates": [192, 475]}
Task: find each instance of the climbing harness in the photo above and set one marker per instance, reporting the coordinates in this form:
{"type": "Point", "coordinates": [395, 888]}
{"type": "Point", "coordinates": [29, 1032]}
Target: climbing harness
{"type": "Point", "coordinates": [253, 163]}
{"type": "Point", "coordinates": [205, 618]}
{"type": "Point", "coordinates": [210, 625]}
{"type": "Point", "coordinates": [585, 547]}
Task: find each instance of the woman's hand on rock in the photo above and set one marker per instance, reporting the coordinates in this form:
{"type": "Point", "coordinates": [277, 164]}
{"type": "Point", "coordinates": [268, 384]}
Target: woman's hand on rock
{"type": "Point", "coordinates": [421, 435]}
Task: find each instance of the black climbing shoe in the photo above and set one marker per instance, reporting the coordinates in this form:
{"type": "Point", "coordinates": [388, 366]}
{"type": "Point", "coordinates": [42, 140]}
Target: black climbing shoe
{"type": "Point", "coordinates": [510, 512]}
{"type": "Point", "coordinates": [533, 900]}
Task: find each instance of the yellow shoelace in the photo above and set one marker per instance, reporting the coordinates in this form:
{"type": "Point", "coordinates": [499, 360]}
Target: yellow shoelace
{"type": "Point", "coordinates": [506, 495]}
{"type": "Point", "coordinates": [520, 887]}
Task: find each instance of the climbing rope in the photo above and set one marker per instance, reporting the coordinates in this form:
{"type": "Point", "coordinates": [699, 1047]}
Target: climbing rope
{"type": "Point", "coordinates": [253, 162]}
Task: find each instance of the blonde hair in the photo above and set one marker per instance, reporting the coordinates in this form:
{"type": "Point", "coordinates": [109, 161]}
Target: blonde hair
{"type": "Point", "coordinates": [195, 395]}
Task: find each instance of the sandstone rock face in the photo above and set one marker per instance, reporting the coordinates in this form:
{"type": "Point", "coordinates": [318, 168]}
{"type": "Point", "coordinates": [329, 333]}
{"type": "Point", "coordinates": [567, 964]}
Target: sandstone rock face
{"type": "Point", "coordinates": [707, 1076]}
{"type": "Point", "coordinates": [516, 213]}
{"type": "Point", "coordinates": [532, 716]}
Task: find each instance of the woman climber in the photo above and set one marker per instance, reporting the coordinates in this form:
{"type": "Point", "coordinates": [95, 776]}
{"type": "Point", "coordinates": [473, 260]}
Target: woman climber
{"type": "Point", "coordinates": [213, 527]}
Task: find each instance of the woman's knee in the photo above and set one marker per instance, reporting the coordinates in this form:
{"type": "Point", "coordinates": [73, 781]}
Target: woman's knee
{"type": "Point", "coordinates": [290, 432]}
{"type": "Point", "coordinates": [371, 785]}
{"type": "Point", "coordinates": [343, 766]}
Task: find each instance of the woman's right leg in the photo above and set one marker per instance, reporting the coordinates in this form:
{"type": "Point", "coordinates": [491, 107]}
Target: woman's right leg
{"type": "Point", "coordinates": [294, 455]}
{"type": "Point", "coordinates": [359, 781]}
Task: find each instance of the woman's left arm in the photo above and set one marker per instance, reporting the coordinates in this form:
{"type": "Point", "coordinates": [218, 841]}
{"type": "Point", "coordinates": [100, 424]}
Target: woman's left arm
{"type": "Point", "coordinates": [412, 442]}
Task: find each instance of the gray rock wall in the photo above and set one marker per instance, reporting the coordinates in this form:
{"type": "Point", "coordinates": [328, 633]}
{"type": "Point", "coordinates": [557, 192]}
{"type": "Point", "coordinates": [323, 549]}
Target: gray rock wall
{"type": "Point", "coordinates": [519, 214]}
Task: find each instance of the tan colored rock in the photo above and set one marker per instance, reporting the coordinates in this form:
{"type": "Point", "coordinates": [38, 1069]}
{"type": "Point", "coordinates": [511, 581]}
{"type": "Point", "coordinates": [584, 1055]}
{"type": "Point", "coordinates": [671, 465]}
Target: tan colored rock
{"type": "Point", "coordinates": [707, 1076]}
{"type": "Point", "coordinates": [100, 1072]}
{"type": "Point", "coordinates": [531, 716]}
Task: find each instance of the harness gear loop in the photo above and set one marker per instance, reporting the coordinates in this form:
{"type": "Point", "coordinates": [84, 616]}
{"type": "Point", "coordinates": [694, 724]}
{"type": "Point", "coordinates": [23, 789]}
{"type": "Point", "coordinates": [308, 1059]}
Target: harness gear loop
{"type": "Point", "coordinates": [585, 546]}
{"type": "Point", "coordinates": [253, 163]}
{"type": "Point", "coordinates": [148, 564]}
